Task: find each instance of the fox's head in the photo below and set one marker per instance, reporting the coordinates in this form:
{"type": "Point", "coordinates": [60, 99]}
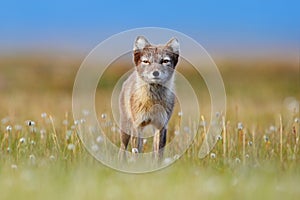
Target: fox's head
{"type": "Point", "coordinates": [155, 64]}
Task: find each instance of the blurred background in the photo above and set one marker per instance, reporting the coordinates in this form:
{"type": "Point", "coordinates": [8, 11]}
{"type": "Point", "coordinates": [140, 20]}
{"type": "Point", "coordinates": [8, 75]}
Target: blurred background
{"type": "Point", "coordinates": [255, 44]}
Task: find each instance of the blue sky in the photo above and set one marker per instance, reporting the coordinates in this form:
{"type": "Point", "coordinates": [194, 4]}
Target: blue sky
{"type": "Point", "coordinates": [220, 26]}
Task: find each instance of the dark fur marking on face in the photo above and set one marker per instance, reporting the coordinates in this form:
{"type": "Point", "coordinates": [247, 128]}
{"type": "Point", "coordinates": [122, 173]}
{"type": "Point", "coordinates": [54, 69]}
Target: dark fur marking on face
{"type": "Point", "coordinates": [148, 50]}
{"type": "Point", "coordinates": [137, 57]}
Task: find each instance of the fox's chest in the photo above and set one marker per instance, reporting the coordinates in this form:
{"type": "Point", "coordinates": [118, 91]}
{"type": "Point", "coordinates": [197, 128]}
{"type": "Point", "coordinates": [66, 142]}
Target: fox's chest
{"type": "Point", "coordinates": [151, 105]}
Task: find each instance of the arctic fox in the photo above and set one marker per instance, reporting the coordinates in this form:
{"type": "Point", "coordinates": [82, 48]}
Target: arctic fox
{"type": "Point", "coordinates": [147, 96]}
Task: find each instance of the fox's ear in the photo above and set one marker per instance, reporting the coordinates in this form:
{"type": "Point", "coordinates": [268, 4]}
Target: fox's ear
{"type": "Point", "coordinates": [140, 43]}
{"type": "Point", "coordinates": [174, 44]}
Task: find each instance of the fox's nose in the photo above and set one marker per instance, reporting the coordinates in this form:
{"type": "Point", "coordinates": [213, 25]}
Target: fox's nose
{"type": "Point", "coordinates": [155, 73]}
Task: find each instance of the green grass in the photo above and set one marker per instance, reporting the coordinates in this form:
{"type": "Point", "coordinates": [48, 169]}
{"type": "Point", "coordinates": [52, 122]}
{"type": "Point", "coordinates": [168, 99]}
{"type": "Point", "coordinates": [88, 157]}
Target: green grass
{"type": "Point", "coordinates": [258, 164]}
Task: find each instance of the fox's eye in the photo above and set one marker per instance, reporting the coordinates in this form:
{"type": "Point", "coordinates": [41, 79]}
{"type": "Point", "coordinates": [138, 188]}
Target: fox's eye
{"type": "Point", "coordinates": [166, 61]}
{"type": "Point", "coordinates": [145, 61]}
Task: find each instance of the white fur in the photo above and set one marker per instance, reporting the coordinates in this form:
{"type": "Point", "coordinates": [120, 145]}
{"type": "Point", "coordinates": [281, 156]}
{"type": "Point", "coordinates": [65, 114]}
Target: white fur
{"type": "Point", "coordinates": [140, 43]}
{"type": "Point", "coordinates": [174, 44]}
{"type": "Point", "coordinates": [167, 58]}
{"type": "Point", "coordinates": [145, 58]}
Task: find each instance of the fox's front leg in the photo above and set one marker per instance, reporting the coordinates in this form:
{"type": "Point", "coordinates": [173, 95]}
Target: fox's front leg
{"type": "Point", "coordinates": [137, 140]}
{"type": "Point", "coordinates": [159, 142]}
{"type": "Point", "coordinates": [125, 137]}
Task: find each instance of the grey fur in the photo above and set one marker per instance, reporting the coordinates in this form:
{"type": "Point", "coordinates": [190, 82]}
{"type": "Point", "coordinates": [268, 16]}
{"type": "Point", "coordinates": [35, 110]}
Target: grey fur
{"type": "Point", "coordinates": [147, 96]}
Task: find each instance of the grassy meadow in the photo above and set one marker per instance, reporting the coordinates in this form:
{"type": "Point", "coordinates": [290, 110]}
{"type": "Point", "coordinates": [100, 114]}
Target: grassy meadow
{"type": "Point", "coordinates": [41, 157]}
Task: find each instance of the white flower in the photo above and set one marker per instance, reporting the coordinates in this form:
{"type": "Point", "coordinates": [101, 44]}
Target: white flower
{"type": "Point", "coordinates": [99, 139]}
{"type": "Point", "coordinates": [134, 150]}
{"type": "Point", "coordinates": [22, 140]}
{"type": "Point", "coordinates": [44, 115]}
{"type": "Point", "coordinates": [103, 116]}
{"type": "Point", "coordinates": [167, 160]}
{"type": "Point", "coordinates": [65, 122]}
{"type": "Point", "coordinates": [52, 157]}
{"type": "Point", "coordinates": [219, 137]}
{"type": "Point", "coordinates": [68, 134]}
{"type": "Point", "coordinates": [95, 148]}
{"type": "Point", "coordinates": [42, 131]}
{"type": "Point", "coordinates": [18, 127]}
{"type": "Point", "coordinates": [237, 160]}
{"type": "Point", "coordinates": [113, 129]}
{"type": "Point", "coordinates": [31, 157]}
{"type": "Point", "coordinates": [240, 126]}
{"type": "Point", "coordinates": [186, 129]}
{"type": "Point", "coordinates": [13, 166]}
{"type": "Point", "coordinates": [272, 128]}
{"type": "Point", "coordinates": [212, 155]}
{"type": "Point", "coordinates": [71, 147]}
{"type": "Point", "coordinates": [8, 128]}
{"type": "Point", "coordinates": [30, 123]}
{"type": "Point", "coordinates": [180, 114]}
{"type": "Point", "coordinates": [266, 138]}
{"type": "Point", "coordinates": [85, 112]}
{"type": "Point", "coordinates": [5, 120]}
{"type": "Point", "coordinates": [202, 123]}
